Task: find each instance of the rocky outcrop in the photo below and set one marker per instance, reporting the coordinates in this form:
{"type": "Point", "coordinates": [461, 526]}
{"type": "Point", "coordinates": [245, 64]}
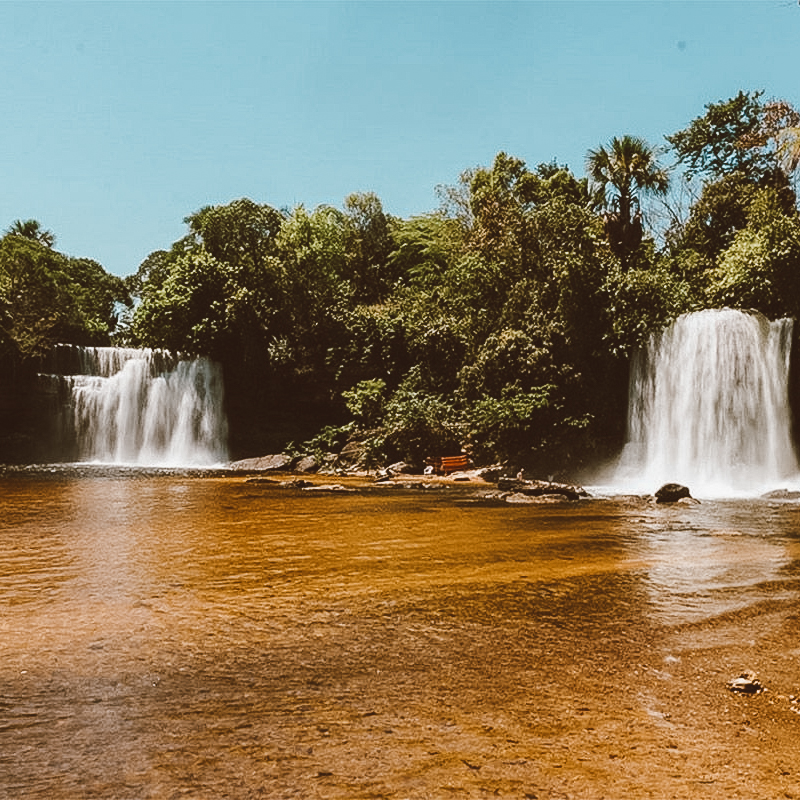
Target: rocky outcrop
{"type": "Point", "coordinates": [279, 462]}
{"type": "Point", "coordinates": [306, 464]}
{"type": "Point", "coordinates": [519, 498]}
{"type": "Point", "coordinates": [541, 488]}
{"type": "Point", "coordinates": [671, 493]}
{"type": "Point", "coordinates": [782, 494]}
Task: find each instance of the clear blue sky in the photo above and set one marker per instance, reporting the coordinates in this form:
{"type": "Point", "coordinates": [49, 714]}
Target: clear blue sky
{"type": "Point", "coordinates": [119, 119]}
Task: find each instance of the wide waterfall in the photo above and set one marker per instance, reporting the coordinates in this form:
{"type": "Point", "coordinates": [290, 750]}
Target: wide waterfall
{"type": "Point", "coordinates": [709, 407]}
{"type": "Point", "coordinates": [145, 407]}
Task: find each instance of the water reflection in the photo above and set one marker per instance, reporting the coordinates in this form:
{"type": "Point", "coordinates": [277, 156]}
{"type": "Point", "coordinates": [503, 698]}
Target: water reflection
{"type": "Point", "coordinates": [115, 541]}
{"type": "Point", "coordinates": [715, 557]}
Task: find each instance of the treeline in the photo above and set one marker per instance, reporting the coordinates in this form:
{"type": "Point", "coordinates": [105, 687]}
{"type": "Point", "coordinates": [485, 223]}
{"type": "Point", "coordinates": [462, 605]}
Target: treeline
{"type": "Point", "coordinates": [502, 322]}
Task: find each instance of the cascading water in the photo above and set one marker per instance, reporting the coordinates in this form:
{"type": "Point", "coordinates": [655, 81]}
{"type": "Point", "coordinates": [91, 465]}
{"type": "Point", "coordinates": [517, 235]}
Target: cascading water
{"type": "Point", "coordinates": [709, 407]}
{"type": "Point", "coordinates": [146, 407]}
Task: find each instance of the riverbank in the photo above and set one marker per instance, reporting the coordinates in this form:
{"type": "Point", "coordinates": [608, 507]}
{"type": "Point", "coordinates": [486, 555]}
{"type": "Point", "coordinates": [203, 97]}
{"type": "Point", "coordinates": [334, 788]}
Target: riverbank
{"type": "Point", "coordinates": [482, 483]}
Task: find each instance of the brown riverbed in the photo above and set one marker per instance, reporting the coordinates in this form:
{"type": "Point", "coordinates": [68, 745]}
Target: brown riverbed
{"type": "Point", "coordinates": [168, 636]}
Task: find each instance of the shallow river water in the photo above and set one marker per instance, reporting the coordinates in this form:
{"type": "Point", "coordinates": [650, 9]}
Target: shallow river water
{"type": "Point", "coordinates": [176, 636]}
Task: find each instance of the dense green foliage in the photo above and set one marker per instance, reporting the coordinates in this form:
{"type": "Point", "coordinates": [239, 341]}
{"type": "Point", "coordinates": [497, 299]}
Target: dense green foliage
{"type": "Point", "coordinates": [501, 323]}
{"type": "Point", "coordinates": [47, 297]}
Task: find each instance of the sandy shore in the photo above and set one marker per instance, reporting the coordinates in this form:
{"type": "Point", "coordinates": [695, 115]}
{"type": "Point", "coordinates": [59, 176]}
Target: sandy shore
{"type": "Point", "coordinates": [469, 709]}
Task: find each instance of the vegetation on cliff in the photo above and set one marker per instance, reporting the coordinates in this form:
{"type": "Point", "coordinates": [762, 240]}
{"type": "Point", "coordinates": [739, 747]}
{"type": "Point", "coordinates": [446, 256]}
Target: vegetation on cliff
{"type": "Point", "coordinates": [501, 322]}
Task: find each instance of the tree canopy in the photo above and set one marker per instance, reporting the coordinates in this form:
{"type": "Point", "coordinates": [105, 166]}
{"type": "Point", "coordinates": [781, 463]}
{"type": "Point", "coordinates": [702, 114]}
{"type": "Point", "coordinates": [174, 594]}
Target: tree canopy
{"type": "Point", "coordinates": [501, 322]}
{"type": "Point", "coordinates": [47, 297]}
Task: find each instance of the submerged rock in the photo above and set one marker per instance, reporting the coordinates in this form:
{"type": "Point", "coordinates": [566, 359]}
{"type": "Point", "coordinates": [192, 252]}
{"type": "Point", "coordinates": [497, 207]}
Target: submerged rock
{"type": "Point", "coordinates": [782, 494]}
{"type": "Point", "coordinates": [532, 499]}
{"type": "Point", "coordinates": [539, 488]}
{"type": "Point", "coordinates": [746, 683]}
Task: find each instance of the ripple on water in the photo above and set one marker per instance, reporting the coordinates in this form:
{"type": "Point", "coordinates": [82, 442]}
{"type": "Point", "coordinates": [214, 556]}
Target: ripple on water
{"type": "Point", "coordinates": [166, 631]}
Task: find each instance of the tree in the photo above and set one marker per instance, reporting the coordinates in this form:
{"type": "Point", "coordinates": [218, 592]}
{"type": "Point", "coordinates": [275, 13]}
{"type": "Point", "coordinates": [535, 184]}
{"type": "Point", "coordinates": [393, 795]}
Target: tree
{"type": "Point", "coordinates": [313, 255]}
{"type": "Point", "coordinates": [31, 303]}
{"type": "Point", "coordinates": [761, 268]}
{"type": "Point", "coordinates": [240, 231]}
{"type": "Point", "coordinates": [641, 301]}
{"type": "Point", "coordinates": [455, 201]}
{"type": "Point", "coordinates": [32, 229]}
{"type": "Point", "coordinates": [187, 310]}
{"type": "Point", "coordinates": [424, 247]}
{"type": "Point", "coordinates": [46, 298]}
{"type": "Point", "coordinates": [716, 215]}
{"type": "Point", "coordinates": [152, 273]}
{"type": "Point", "coordinates": [552, 181]}
{"type": "Point", "coordinates": [509, 357]}
{"type": "Point", "coordinates": [369, 245]}
{"type": "Point", "coordinates": [420, 423]}
{"type": "Point", "coordinates": [96, 298]}
{"type": "Point", "coordinates": [499, 198]}
{"type": "Point", "coordinates": [725, 139]}
{"type": "Point", "coordinates": [781, 127]}
{"type": "Point", "coordinates": [572, 263]}
{"type": "Point", "coordinates": [742, 134]}
{"type": "Point", "coordinates": [723, 208]}
{"type": "Point", "coordinates": [626, 168]}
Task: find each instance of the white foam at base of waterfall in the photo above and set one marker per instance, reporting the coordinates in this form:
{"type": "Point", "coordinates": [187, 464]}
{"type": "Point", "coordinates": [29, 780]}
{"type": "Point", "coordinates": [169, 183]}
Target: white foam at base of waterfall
{"type": "Point", "coordinates": [148, 408]}
{"type": "Point", "coordinates": [709, 408]}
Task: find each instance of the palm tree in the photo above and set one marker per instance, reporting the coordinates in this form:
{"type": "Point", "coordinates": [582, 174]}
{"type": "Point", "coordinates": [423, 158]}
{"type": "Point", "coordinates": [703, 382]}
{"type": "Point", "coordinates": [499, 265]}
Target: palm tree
{"type": "Point", "coordinates": [32, 229]}
{"type": "Point", "coordinates": [626, 168]}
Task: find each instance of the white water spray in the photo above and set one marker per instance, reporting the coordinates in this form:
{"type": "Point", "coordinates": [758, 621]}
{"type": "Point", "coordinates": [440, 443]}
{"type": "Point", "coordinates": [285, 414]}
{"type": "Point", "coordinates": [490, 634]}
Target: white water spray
{"type": "Point", "coordinates": [709, 407]}
{"type": "Point", "coordinates": [147, 408]}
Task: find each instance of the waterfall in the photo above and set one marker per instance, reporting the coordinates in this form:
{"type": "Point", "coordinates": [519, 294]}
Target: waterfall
{"type": "Point", "coordinates": [145, 407]}
{"type": "Point", "coordinates": [709, 407]}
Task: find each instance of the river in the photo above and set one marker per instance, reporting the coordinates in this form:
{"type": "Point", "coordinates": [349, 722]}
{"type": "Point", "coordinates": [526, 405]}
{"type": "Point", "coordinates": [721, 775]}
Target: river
{"type": "Point", "coordinates": [170, 635]}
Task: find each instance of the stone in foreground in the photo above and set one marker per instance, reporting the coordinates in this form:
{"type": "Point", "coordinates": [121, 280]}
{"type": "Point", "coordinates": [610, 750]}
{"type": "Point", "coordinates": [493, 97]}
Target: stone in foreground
{"type": "Point", "coordinates": [746, 683]}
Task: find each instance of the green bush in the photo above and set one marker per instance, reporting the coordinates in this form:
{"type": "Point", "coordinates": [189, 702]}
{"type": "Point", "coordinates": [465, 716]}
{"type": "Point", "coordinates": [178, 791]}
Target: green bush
{"type": "Point", "coordinates": [365, 401]}
{"type": "Point", "coordinates": [420, 425]}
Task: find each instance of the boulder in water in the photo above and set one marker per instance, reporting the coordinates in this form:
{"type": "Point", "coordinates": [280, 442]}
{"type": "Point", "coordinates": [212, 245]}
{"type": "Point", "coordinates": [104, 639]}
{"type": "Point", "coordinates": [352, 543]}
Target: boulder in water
{"type": "Point", "coordinates": [782, 494]}
{"type": "Point", "coordinates": [278, 462]}
{"type": "Point", "coordinates": [539, 488]}
{"type": "Point", "coordinates": [746, 683]}
{"type": "Point", "coordinates": [671, 493]}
